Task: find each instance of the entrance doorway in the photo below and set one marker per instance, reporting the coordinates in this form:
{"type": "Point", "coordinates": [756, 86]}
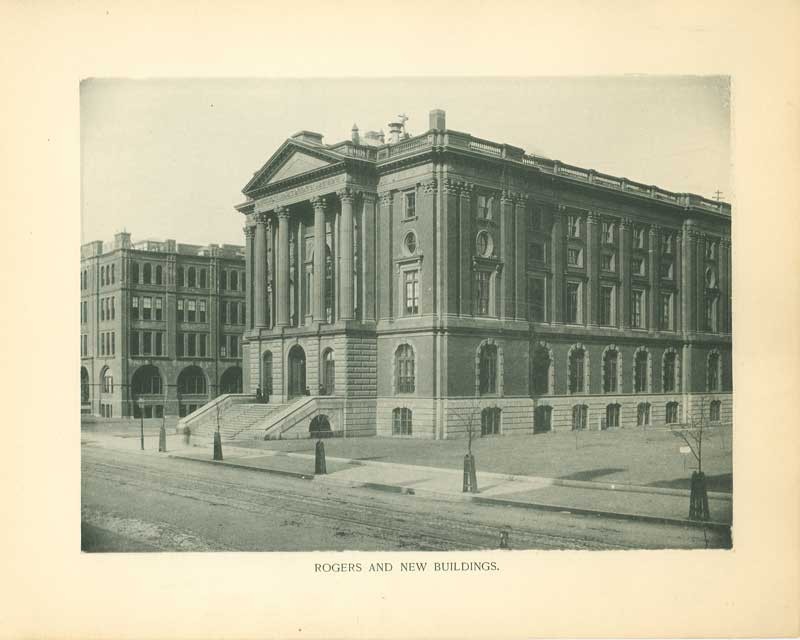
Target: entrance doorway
{"type": "Point", "coordinates": [541, 419]}
{"type": "Point", "coordinates": [297, 371]}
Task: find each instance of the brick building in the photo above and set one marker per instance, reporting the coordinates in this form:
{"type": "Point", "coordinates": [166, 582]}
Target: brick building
{"type": "Point", "coordinates": [161, 326]}
{"type": "Point", "coordinates": [468, 284]}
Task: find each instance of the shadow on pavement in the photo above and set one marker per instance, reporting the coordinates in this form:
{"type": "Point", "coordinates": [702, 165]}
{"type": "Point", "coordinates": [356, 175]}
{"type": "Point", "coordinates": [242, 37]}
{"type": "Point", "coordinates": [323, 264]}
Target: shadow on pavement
{"type": "Point", "coordinates": [722, 483]}
{"type": "Point", "coordinates": [592, 474]}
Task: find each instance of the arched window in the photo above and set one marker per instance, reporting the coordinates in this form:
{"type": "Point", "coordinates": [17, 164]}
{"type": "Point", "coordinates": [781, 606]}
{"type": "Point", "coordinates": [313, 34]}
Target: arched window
{"type": "Point", "coordinates": [159, 274]}
{"type": "Point", "coordinates": [404, 369]}
{"type": "Point", "coordinates": [540, 370]}
{"type": "Point", "coordinates": [192, 381]}
{"type": "Point", "coordinates": [401, 421]}
{"type": "Point", "coordinates": [643, 414]}
{"type": "Point", "coordinates": [147, 273]}
{"type": "Point", "coordinates": [713, 368]}
{"type": "Point", "coordinates": [714, 411]}
{"type": "Point", "coordinates": [147, 380]}
{"type": "Point", "coordinates": [672, 413]}
{"type": "Point", "coordinates": [611, 371]}
{"type": "Point", "coordinates": [488, 369]}
{"type": "Point", "coordinates": [107, 381]}
{"type": "Point", "coordinates": [180, 278]}
{"type": "Point", "coordinates": [234, 280]}
{"type": "Point", "coordinates": [135, 273]}
{"type": "Point", "coordinates": [328, 373]}
{"type": "Point", "coordinates": [192, 277]}
{"type": "Point", "coordinates": [670, 377]}
{"type": "Point", "coordinates": [640, 367]}
{"type": "Point", "coordinates": [102, 276]}
{"type": "Point", "coordinates": [203, 279]}
{"type": "Point", "coordinates": [490, 421]}
{"type": "Point", "coordinates": [579, 417]}
{"type": "Point", "coordinates": [612, 416]}
{"type": "Point", "coordinates": [577, 370]}
{"type": "Point", "coordinates": [84, 386]}
{"type": "Point", "coordinates": [231, 380]}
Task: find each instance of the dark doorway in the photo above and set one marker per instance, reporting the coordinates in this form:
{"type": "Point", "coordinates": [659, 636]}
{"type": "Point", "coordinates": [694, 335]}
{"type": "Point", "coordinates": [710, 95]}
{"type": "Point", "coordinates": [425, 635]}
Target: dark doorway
{"type": "Point", "coordinates": [320, 427]}
{"type": "Point", "coordinates": [297, 371]}
{"type": "Point", "coordinates": [541, 419]}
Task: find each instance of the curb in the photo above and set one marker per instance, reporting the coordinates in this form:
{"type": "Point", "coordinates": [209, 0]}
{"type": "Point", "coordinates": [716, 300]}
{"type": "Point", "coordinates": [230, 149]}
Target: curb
{"type": "Point", "coordinates": [540, 480]}
{"type": "Point", "coordinates": [226, 463]}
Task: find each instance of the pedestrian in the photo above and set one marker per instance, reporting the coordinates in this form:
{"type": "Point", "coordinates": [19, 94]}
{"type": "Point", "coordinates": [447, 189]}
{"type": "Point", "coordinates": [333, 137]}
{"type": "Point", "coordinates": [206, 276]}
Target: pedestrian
{"type": "Point", "coordinates": [187, 432]}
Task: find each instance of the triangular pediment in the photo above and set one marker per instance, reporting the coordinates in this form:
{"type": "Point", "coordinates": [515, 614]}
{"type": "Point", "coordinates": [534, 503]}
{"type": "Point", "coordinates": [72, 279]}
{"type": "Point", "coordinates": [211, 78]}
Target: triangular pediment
{"type": "Point", "coordinates": [296, 164]}
{"type": "Point", "coordinates": [292, 159]}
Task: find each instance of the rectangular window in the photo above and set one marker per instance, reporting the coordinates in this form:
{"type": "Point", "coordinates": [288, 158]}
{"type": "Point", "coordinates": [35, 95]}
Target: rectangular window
{"type": "Point", "coordinates": [666, 311]}
{"type": "Point", "coordinates": [666, 244]}
{"type": "Point", "coordinates": [537, 252]}
{"type": "Point", "coordinates": [711, 313]}
{"type": "Point", "coordinates": [672, 413]}
{"type": "Point", "coordinates": [536, 299]}
{"type": "Point", "coordinates": [607, 306]}
{"type": "Point", "coordinates": [179, 345]}
{"type": "Point", "coordinates": [643, 414]}
{"type": "Point", "coordinates": [201, 310]}
{"type": "Point", "coordinates": [573, 315]}
{"type": "Point", "coordinates": [608, 233]}
{"type": "Point", "coordinates": [637, 266]}
{"type": "Point", "coordinates": [191, 344]}
{"type": "Point", "coordinates": [134, 340]}
{"type": "Point", "coordinates": [484, 207]}
{"type": "Point", "coordinates": [637, 309]}
{"type": "Point", "coordinates": [113, 310]}
{"type": "Point", "coordinates": [159, 343]}
{"type": "Point", "coordinates": [113, 343]}
{"type": "Point", "coordinates": [536, 222]}
{"type": "Point", "coordinates": [147, 343]}
{"type": "Point", "coordinates": [638, 238]}
{"type": "Point", "coordinates": [134, 308]}
{"type": "Point", "coordinates": [223, 312]}
{"type": "Point", "coordinates": [574, 257]}
{"type": "Point", "coordinates": [607, 262]}
{"type": "Point", "coordinates": [102, 344]}
{"type": "Point", "coordinates": [191, 310]}
{"type": "Point", "coordinates": [233, 350]}
{"type": "Point", "coordinates": [666, 269]}
{"type": "Point", "coordinates": [102, 310]}
{"type": "Point", "coordinates": [159, 308]}
{"type": "Point", "coordinates": [573, 227]}
{"type": "Point", "coordinates": [147, 305]}
{"type": "Point", "coordinates": [482, 287]}
{"type": "Point", "coordinates": [202, 344]}
{"type": "Point", "coordinates": [410, 205]}
{"type": "Point", "coordinates": [180, 310]}
{"type": "Point", "coordinates": [412, 292]}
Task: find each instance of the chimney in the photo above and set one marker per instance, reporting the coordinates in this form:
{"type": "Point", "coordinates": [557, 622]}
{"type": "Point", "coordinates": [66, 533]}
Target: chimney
{"type": "Point", "coordinates": [122, 240]}
{"type": "Point", "coordinates": [354, 134]}
{"type": "Point", "coordinates": [395, 129]}
{"type": "Point", "coordinates": [437, 119]}
{"type": "Point", "coordinates": [308, 136]}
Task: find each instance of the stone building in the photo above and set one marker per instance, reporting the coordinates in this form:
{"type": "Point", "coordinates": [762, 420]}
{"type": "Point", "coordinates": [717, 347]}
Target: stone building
{"type": "Point", "coordinates": [161, 326]}
{"type": "Point", "coordinates": [428, 285]}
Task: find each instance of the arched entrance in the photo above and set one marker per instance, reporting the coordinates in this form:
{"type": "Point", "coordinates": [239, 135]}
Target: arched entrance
{"type": "Point", "coordinates": [147, 392]}
{"type": "Point", "coordinates": [328, 373]}
{"type": "Point", "coordinates": [266, 374]}
{"type": "Point", "coordinates": [231, 380]}
{"type": "Point", "coordinates": [297, 371]}
{"type": "Point", "coordinates": [84, 386]}
{"type": "Point", "coordinates": [192, 390]}
{"type": "Point", "coordinates": [320, 427]}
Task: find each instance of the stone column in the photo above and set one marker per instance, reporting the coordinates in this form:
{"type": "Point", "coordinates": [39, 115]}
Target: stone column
{"type": "Point", "coordinates": [592, 269]}
{"type": "Point", "coordinates": [466, 242]}
{"type": "Point", "coordinates": [249, 237]}
{"type": "Point", "coordinates": [625, 271]}
{"type": "Point", "coordinates": [318, 291]}
{"type": "Point", "coordinates": [559, 241]}
{"type": "Point", "coordinates": [700, 286]}
{"type": "Point", "coordinates": [521, 257]}
{"type": "Point", "coordinates": [368, 257]}
{"type": "Point", "coordinates": [724, 285]}
{"type": "Point", "coordinates": [688, 279]}
{"type": "Point", "coordinates": [282, 294]}
{"type": "Point", "coordinates": [385, 256]}
{"type": "Point", "coordinates": [346, 272]}
{"type": "Point", "coordinates": [654, 273]}
{"type": "Point", "coordinates": [259, 279]}
{"type": "Point", "coordinates": [506, 254]}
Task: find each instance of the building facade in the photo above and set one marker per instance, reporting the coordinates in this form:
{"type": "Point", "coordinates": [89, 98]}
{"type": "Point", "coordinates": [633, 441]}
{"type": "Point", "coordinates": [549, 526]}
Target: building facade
{"type": "Point", "coordinates": [430, 285]}
{"type": "Point", "coordinates": [161, 326]}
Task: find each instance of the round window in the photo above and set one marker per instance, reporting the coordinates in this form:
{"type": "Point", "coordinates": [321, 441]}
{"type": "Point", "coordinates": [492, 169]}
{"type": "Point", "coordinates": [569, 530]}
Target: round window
{"type": "Point", "coordinates": [411, 243]}
{"type": "Point", "coordinates": [711, 278]}
{"type": "Point", "coordinates": [484, 244]}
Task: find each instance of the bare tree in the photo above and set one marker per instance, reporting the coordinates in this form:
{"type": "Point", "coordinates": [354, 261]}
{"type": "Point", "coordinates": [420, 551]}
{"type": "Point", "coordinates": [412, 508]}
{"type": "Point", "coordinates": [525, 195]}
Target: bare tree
{"type": "Point", "coordinates": [469, 416]}
{"type": "Point", "coordinates": [692, 435]}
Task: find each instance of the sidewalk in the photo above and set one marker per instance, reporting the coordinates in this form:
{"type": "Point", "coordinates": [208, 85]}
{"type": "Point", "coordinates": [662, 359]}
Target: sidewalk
{"type": "Point", "coordinates": [635, 502]}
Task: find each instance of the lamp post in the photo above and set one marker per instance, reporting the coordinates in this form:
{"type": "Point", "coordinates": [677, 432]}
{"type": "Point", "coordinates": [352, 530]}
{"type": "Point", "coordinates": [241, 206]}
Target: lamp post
{"type": "Point", "coordinates": [141, 422]}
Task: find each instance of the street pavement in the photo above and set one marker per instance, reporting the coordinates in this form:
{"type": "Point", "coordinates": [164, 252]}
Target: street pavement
{"type": "Point", "coordinates": [543, 513]}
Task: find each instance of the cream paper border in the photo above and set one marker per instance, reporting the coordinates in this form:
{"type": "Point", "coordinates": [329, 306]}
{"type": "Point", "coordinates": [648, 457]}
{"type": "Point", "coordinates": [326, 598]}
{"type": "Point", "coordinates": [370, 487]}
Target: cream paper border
{"type": "Point", "coordinates": [51, 590]}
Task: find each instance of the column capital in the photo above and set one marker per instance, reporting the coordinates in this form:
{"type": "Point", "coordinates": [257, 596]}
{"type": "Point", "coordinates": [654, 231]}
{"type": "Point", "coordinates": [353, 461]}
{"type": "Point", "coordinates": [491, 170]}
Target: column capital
{"type": "Point", "coordinates": [521, 199]}
{"type": "Point", "coordinates": [346, 194]}
{"type": "Point", "coordinates": [465, 188]}
{"type": "Point", "coordinates": [319, 202]}
{"type": "Point", "coordinates": [654, 229]}
{"type": "Point", "coordinates": [625, 224]}
{"type": "Point", "coordinates": [249, 231]}
{"type": "Point", "coordinates": [386, 197]}
{"type": "Point", "coordinates": [282, 212]}
{"type": "Point", "coordinates": [594, 217]}
{"type": "Point", "coordinates": [261, 218]}
{"type": "Point", "coordinates": [507, 196]}
{"type": "Point", "coordinates": [430, 185]}
{"type": "Point", "coordinates": [369, 196]}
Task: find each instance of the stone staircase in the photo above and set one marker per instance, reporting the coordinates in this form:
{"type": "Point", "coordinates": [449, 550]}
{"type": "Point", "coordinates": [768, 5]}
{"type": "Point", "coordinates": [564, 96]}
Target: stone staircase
{"type": "Point", "coordinates": [245, 421]}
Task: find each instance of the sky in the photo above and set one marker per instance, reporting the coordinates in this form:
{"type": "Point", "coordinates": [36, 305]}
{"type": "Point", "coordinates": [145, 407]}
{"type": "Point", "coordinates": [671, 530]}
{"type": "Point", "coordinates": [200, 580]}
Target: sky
{"type": "Point", "coordinates": [169, 158]}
